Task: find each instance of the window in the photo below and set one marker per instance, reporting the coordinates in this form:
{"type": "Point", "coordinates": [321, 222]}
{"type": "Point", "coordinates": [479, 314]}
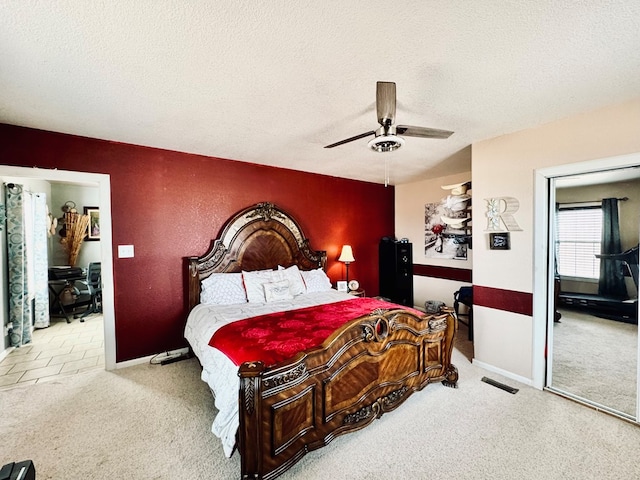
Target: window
{"type": "Point", "coordinates": [578, 241]}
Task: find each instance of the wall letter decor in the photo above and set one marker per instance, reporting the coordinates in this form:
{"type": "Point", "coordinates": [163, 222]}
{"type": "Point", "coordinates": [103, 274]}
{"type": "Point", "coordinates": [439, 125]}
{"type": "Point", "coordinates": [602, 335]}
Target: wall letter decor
{"type": "Point", "coordinates": [501, 210]}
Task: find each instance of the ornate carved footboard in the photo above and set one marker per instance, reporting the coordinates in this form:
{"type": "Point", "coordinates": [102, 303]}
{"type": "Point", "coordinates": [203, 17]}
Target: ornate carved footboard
{"type": "Point", "coordinates": [368, 367]}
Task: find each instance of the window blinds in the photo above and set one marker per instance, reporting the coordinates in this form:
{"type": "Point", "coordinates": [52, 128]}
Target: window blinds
{"type": "Point", "coordinates": [578, 241]}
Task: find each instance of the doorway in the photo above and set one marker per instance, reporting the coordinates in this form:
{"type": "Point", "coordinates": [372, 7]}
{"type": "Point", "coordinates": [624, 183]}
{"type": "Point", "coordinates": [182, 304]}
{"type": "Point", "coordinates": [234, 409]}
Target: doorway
{"type": "Point", "coordinates": [102, 183]}
{"type": "Point", "coordinates": [590, 344]}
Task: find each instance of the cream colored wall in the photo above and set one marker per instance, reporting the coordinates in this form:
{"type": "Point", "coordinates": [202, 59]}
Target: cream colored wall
{"type": "Point", "coordinates": [82, 196]}
{"type": "Point", "coordinates": [409, 212]}
{"type": "Point", "coordinates": [505, 166]}
{"type": "Point", "coordinates": [507, 344]}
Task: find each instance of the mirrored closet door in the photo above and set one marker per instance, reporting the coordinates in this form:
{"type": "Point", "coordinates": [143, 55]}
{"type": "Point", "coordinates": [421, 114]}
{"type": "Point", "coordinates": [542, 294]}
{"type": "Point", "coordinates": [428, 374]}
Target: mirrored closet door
{"type": "Point", "coordinates": [593, 335]}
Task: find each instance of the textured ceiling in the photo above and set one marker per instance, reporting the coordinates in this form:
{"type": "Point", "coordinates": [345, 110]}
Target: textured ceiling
{"type": "Point", "coordinates": [273, 82]}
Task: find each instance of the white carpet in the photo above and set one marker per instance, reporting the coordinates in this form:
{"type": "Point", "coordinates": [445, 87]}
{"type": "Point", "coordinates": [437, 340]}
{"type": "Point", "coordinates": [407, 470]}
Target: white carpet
{"type": "Point", "coordinates": [595, 358]}
{"type": "Point", "coordinates": [152, 422]}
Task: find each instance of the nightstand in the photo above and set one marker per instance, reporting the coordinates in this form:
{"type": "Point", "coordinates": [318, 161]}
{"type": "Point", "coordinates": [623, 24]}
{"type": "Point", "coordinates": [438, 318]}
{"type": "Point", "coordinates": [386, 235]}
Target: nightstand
{"type": "Point", "coordinates": [357, 293]}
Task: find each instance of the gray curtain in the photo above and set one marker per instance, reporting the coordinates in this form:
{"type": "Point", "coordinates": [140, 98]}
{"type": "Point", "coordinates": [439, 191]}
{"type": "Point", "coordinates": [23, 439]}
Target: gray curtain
{"type": "Point", "coordinates": [27, 263]}
{"type": "Point", "coordinates": [611, 282]}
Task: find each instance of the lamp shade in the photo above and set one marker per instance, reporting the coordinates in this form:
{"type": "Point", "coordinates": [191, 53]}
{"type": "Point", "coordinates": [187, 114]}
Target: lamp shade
{"type": "Point", "coordinates": [346, 255]}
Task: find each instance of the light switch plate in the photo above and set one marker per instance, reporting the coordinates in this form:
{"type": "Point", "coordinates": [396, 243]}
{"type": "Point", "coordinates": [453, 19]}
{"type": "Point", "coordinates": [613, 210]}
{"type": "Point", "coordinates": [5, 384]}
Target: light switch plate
{"type": "Point", "coordinates": [125, 251]}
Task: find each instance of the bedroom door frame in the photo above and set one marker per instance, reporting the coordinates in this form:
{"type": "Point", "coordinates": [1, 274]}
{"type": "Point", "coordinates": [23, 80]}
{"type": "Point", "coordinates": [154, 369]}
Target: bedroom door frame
{"type": "Point", "coordinates": [543, 288]}
{"type": "Point", "coordinates": [103, 183]}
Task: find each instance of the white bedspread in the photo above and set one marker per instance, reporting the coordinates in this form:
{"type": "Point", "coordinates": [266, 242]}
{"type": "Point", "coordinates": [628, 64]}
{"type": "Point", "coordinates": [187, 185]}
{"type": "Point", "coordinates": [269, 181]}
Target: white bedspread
{"type": "Point", "coordinates": [218, 371]}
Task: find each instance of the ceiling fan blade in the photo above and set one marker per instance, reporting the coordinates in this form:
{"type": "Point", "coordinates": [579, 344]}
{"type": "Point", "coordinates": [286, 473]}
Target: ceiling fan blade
{"type": "Point", "coordinates": [423, 132]}
{"type": "Point", "coordinates": [347, 140]}
{"type": "Point", "coordinates": [386, 102]}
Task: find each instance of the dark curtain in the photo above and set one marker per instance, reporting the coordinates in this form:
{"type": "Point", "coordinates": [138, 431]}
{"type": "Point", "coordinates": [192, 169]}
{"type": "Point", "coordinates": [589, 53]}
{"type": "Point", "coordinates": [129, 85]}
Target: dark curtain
{"type": "Point", "coordinates": [611, 282]}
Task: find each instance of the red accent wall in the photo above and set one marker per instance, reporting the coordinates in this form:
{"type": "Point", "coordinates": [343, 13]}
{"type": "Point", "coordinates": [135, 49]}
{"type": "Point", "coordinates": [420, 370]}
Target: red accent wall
{"type": "Point", "coordinates": [170, 205]}
{"type": "Point", "coordinates": [507, 300]}
{"type": "Point", "coordinates": [447, 273]}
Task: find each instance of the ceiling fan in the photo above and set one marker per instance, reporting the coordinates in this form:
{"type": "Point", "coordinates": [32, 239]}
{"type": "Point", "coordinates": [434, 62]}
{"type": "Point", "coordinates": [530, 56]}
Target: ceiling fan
{"type": "Point", "coordinates": [386, 136]}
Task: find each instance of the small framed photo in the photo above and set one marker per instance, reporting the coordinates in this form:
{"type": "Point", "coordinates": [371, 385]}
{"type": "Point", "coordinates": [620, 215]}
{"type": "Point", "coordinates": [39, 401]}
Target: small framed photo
{"type": "Point", "coordinates": [499, 241]}
{"type": "Point", "coordinates": [93, 230]}
{"type": "Point", "coordinates": [342, 286]}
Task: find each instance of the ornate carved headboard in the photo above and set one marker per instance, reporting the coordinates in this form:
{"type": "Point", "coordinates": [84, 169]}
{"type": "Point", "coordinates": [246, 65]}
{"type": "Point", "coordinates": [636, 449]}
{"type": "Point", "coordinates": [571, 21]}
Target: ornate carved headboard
{"type": "Point", "coordinates": [259, 237]}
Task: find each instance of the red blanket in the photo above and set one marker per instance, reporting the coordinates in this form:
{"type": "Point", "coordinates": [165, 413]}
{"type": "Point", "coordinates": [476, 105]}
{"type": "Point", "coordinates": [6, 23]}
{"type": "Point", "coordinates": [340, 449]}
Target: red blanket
{"type": "Point", "coordinates": [278, 336]}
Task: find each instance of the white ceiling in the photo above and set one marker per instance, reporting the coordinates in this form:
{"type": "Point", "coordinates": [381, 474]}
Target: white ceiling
{"type": "Point", "coordinates": [273, 82]}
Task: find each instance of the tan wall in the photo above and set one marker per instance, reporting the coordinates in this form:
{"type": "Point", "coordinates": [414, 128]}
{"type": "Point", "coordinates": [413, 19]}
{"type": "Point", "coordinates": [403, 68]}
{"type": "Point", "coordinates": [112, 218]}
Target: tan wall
{"type": "Point", "coordinates": [410, 223]}
{"type": "Point", "coordinates": [505, 166]}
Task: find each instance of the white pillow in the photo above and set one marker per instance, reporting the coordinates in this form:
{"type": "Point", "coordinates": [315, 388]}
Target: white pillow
{"type": "Point", "coordinates": [253, 284]}
{"type": "Point", "coordinates": [277, 291]}
{"type": "Point", "coordinates": [316, 280]}
{"type": "Point", "coordinates": [296, 284]}
{"type": "Point", "coordinates": [223, 289]}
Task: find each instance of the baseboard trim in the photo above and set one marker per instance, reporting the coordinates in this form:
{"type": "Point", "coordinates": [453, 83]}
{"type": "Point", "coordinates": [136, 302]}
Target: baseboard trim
{"type": "Point", "coordinates": [504, 373]}
{"type": "Point", "coordinates": [6, 352]}
{"type": "Point", "coordinates": [147, 359]}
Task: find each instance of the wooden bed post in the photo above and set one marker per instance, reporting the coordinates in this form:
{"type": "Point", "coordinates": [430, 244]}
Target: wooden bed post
{"type": "Point", "coordinates": [193, 283]}
{"type": "Point", "coordinates": [250, 430]}
{"type": "Point", "coordinates": [451, 372]}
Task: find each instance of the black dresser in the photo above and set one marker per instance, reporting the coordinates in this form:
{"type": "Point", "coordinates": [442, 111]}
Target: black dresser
{"type": "Point", "coordinates": [396, 271]}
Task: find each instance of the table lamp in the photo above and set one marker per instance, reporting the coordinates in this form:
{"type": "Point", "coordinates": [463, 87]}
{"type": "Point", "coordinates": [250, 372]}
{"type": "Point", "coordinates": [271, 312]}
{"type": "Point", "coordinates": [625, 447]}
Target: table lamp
{"type": "Point", "coordinates": [346, 256]}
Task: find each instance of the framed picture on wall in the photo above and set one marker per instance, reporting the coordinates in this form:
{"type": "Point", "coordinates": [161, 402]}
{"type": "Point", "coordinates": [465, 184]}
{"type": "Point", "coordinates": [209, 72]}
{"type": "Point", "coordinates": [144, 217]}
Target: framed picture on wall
{"type": "Point", "coordinates": [93, 230]}
{"type": "Point", "coordinates": [499, 241]}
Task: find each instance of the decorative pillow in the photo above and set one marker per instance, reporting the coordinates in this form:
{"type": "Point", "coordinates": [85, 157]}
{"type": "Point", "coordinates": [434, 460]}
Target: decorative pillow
{"type": "Point", "coordinates": [296, 284]}
{"type": "Point", "coordinates": [223, 289]}
{"type": "Point", "coordinates": [277, 291]}
{"type": "Point", "coordinates": [316, 280]}
{"type": "Point", "coordinates": [253, 284]}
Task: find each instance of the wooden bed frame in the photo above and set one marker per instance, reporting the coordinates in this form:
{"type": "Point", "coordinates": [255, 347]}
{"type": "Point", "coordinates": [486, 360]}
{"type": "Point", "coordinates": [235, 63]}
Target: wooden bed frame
{"type": "Point", "coordinates": [368, 367]}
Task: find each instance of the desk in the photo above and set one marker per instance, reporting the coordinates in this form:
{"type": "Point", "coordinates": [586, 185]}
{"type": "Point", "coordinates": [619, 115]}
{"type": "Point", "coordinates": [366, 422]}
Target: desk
{"type": "Point", "coordinates": [56, 288]}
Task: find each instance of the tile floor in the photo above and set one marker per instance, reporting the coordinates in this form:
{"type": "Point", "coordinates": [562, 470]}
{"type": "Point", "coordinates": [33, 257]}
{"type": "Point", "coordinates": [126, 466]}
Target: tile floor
{"type": "Point", "coordinates": [61, 349]}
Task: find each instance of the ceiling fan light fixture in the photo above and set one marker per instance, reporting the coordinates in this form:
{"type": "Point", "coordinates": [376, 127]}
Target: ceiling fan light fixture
{"type": "Point", "coordinates": [386, 139]}
{"type": "Point", "coordinates": [386, 143]}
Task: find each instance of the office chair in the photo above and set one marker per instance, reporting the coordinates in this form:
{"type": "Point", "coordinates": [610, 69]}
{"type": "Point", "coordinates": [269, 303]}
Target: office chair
{"type": "Point", "coordinates": [464, 296]}
{"type": "Point", "coordinates": [92, 286]}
